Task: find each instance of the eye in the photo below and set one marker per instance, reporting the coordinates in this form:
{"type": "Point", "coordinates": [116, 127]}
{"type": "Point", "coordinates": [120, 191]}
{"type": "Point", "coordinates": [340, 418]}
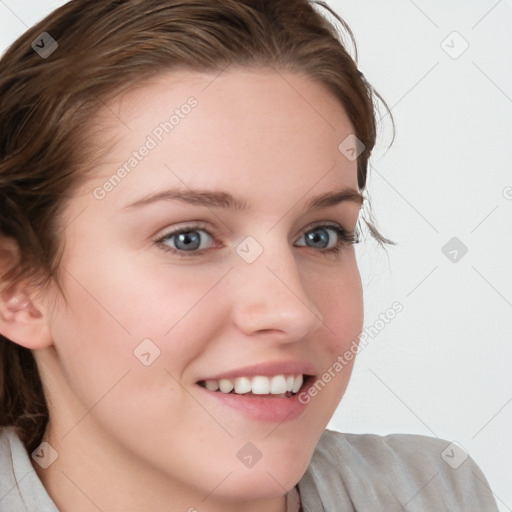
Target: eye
{"type": "Point", "coordinates": [321, 238]}
{"type": "Point", "coordinates": [328, 238]}
{"type": "Point", "coordinates": [187, 239]}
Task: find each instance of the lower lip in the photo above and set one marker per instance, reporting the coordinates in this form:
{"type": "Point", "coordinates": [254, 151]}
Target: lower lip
{"type": "Point", "coordinates": [272, 410]}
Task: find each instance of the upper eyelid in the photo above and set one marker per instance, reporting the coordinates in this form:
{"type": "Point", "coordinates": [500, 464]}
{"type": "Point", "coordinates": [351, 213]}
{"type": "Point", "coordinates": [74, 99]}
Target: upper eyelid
{"type": "Point", "coordinates": [186, 227]}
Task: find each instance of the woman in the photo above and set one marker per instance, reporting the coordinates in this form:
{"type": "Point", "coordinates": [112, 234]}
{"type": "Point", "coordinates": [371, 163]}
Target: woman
{"type": "Point", "coordinates": [181, 184]}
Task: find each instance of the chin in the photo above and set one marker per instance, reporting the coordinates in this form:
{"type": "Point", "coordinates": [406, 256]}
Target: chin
{"type": "Point", "coordinates": [277, 471]}
{"type": "Point", "coordinates": [263, 482]}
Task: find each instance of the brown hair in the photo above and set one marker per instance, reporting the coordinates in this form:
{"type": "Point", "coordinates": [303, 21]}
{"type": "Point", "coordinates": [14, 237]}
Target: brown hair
{"type": "Point", "coordinates": [106, 47]}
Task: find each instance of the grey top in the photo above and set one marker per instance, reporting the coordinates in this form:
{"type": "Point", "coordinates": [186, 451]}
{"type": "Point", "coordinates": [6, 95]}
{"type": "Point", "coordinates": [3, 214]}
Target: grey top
{"type": "Point", "coordinates": [348, 472]}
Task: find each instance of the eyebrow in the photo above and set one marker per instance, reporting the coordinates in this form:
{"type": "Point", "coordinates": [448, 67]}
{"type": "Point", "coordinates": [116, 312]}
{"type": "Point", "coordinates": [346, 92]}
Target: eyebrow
{"type": "Point", "coordinates": [220, 199]}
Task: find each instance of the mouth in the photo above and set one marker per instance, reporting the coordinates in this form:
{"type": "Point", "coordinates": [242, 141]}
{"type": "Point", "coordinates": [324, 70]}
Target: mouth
{"type": "Point", "coordinates": [259, 386]}
{"type": "Point", "coordinates": [264, 392]}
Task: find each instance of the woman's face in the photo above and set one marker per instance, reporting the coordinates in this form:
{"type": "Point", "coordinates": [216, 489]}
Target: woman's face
{"type": "Point", "coordinates": [251, 287]}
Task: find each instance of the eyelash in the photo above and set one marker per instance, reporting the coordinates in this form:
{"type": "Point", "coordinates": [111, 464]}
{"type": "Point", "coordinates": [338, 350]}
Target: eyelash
{"type": "Point", "coordinates": [344, 238]}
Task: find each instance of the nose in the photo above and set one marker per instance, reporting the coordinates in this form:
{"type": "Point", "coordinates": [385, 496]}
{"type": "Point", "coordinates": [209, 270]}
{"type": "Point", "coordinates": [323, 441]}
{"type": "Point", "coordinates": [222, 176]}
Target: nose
{"type": "Point", "coordinates": [270, 298]}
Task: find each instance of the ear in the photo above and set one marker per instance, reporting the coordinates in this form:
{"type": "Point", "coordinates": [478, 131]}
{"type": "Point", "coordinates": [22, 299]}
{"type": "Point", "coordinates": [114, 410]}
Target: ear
{"type": "Point", "coordinates": [22, 314]}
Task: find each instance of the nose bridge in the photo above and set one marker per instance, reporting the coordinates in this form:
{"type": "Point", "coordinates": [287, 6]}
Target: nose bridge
{"type": "Point", "coordinates": [271, 295]}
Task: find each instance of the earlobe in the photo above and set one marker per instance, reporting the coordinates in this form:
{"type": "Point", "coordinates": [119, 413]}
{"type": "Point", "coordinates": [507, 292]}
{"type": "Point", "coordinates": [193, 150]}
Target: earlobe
{"type": "Point", "coordinates": [21, 319]}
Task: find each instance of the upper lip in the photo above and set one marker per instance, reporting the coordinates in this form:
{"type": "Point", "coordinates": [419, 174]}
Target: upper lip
{"type": "Point", "coordinates": [269, 369]}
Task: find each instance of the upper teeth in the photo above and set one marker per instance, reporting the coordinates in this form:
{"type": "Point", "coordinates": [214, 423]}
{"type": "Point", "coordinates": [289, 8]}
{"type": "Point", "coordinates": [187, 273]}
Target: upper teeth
{"type": "Point", "coordinates": [258, 385]}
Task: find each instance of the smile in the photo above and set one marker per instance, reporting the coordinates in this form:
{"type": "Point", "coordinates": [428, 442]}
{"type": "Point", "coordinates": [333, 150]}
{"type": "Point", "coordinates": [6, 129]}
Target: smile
{"type": "Point", "coordinates": [279, 386]}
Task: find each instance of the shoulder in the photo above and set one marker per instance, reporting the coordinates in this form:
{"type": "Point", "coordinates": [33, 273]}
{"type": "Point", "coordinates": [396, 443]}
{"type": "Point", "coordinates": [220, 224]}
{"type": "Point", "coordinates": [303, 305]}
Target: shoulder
{"type": "Point", "coordinates": [384, 450]}
{"type": "Point", "coordinates": [20, 487]}
{"type": "Point", "coordinates": [8, 438]}
{"type": "Point", "coordinates": [8, 476]}
{"type": "Point", "coordinates": [403, 470]}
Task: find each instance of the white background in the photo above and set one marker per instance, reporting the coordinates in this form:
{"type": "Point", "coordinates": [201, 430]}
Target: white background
{"type": "Point", "coordinates": [441, 367]}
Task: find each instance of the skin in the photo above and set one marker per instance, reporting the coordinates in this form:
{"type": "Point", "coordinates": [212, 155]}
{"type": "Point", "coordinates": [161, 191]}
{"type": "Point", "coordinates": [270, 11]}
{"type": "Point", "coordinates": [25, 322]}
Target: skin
{"type": "Point", "coordinates": [135, 438]}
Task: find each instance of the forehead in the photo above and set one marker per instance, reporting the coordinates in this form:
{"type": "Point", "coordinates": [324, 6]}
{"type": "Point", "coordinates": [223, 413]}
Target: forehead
{"type": "Point", "coordinates": [240, 128]}
{"type": "Point", "coordinates": [235, 91]}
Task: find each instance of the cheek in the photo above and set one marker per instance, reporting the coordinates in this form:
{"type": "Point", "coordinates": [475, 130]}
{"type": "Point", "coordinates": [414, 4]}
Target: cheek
{"type": "Point", "coordinates": [137, 297]}
{"type": "Point", "coordinates": [106, 319]}
{"type": "Point", "coordinates": [340, 300]}
{"type": "Point", "coordinates": [112, 308]}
